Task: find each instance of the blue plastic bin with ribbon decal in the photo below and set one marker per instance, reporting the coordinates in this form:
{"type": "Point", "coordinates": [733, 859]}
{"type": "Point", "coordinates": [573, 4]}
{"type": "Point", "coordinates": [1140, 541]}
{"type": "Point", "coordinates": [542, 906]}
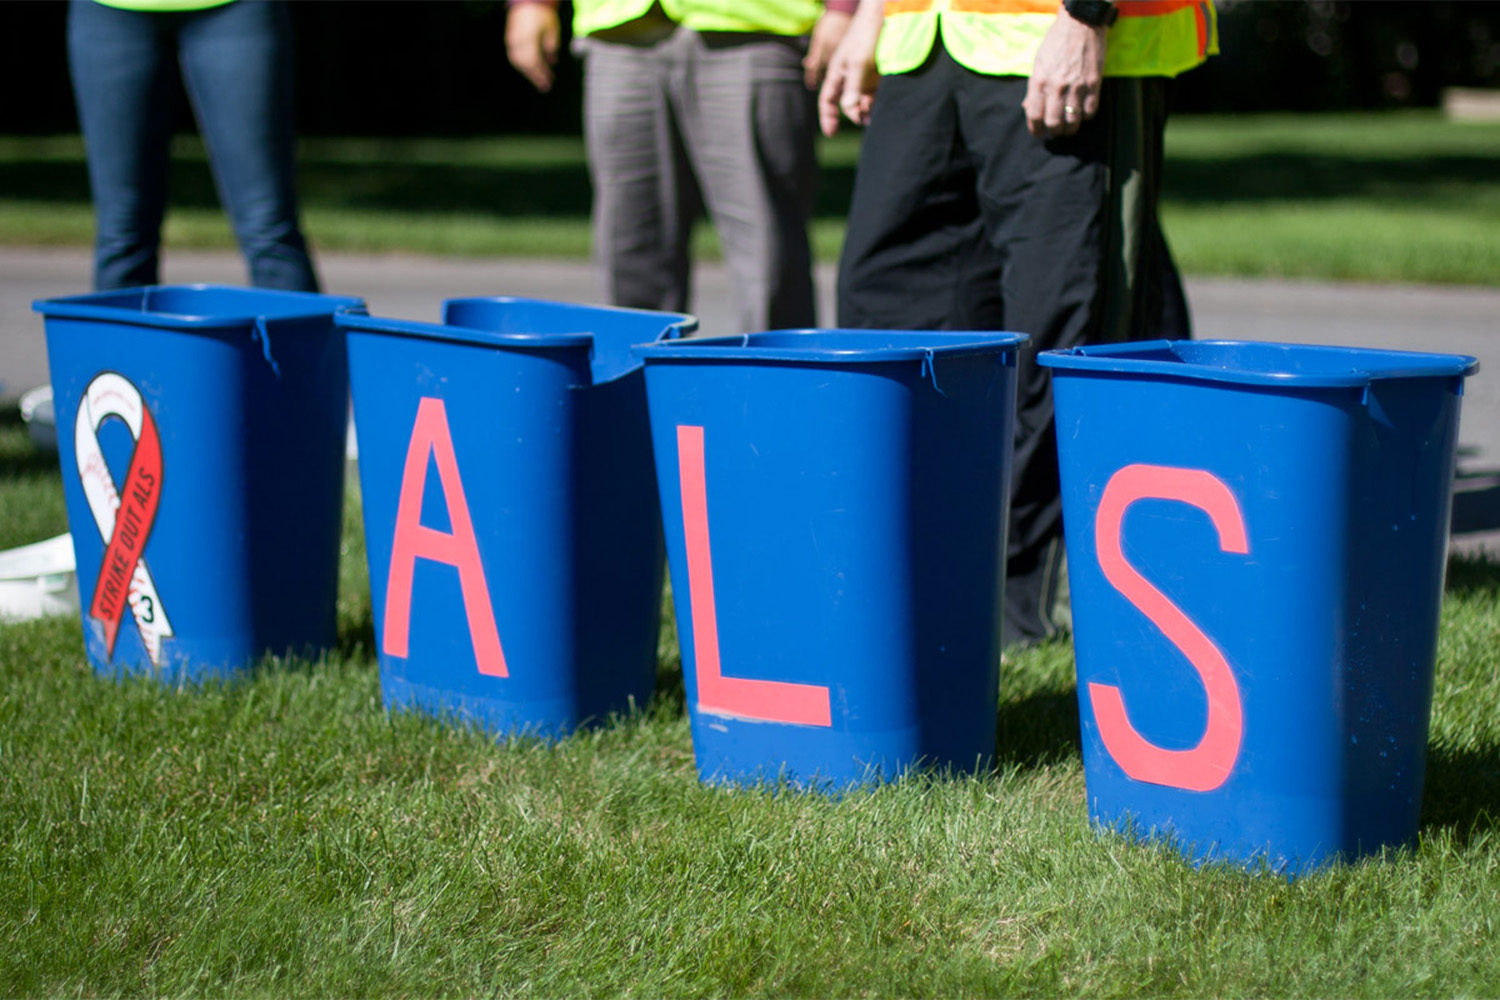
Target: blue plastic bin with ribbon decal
{"type": "Point", "coordinates": [835, 506]}
{"type": "Point", "coordinates": [1256, 537]}
{"type": "Point", "coordinates": [511, 519]}
{"type": "Point", "coordinates": [201, 435]}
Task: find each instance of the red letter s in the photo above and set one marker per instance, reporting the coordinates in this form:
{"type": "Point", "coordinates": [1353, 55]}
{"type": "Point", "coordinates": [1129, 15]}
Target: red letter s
{"type": "Point", "coordinates": [1207, 765]}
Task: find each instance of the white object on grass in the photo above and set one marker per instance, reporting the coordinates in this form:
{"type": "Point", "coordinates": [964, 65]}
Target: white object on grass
{"type": "Point", "coordinates": [38, 579]}
{"type": "Point", "coordinates": [41, 421]}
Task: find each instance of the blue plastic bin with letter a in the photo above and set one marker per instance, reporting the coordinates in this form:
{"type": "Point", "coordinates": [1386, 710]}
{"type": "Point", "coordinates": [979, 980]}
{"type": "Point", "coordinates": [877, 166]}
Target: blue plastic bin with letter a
{"type": "Point", "coordinates": [511, 520]}
{"type": "Point", "coordinates": [1256, 536]}
{"type": "Point", "coordinates": [201, 434]}
{"type": "Point", "coordinates": [835, 504]}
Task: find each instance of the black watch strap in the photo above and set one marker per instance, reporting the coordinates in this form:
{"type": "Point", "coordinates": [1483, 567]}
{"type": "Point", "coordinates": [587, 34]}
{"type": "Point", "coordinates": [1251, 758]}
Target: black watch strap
{"type": "Point", "coordinates": [1095, 13]}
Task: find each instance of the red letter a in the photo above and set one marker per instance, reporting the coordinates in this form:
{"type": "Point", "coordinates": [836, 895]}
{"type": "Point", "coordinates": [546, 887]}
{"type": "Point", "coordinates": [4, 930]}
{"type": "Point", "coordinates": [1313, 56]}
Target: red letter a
{"type": "Point", "coordinates": [430, 436]}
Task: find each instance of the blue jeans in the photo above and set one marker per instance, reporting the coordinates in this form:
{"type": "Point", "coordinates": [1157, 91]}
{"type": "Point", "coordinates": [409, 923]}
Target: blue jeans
{"type": "Point", "coordinates": [236, 63]}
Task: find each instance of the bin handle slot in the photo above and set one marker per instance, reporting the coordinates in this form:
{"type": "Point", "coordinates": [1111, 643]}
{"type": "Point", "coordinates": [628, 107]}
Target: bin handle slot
{"type": "Point", "coordinates": [929, 370]}
{"type": "Point", "coordinates": [262, 333]}
{"type": "Point", "coordinates": [611, 354]}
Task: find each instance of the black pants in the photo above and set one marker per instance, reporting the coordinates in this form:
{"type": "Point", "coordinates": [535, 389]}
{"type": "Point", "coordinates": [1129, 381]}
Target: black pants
{"type": "Point", "coordinates": [961, 219]}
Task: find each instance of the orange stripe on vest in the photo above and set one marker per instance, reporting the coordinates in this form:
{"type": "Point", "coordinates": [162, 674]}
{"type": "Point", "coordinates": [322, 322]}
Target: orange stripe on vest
{"type": "Point", "coordinates": [1152, 8]}
{"type": "Point", "coordinates": [1127, 8]}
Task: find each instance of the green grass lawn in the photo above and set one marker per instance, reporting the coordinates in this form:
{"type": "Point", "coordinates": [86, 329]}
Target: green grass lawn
{"type": "Point", "coordinates": [285, 836]}
{"type": "Point", "coordinates": [1387, 198]}
{"type": "Point", "coordinates": [1365, 197]}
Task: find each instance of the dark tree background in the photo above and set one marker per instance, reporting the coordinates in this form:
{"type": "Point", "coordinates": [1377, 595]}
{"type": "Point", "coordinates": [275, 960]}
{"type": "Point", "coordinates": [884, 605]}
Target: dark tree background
{"type": "Point", "coordinates": [1293, 55]}
{"type": "Point", "coordinates": [437, 67]}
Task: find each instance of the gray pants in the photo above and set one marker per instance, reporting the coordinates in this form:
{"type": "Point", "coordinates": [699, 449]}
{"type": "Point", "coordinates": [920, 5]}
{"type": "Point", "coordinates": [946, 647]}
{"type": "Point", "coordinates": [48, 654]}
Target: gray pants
{"type": "Point", "coordinates": [677, 122]}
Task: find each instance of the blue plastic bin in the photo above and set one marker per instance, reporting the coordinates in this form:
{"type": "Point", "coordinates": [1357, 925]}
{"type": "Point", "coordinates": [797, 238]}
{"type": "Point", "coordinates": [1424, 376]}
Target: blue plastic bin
{"type": "Point", "coordinates": [201, 437]}
{"type": "Point", "coordinates": [1256, 540]}
{"type": "Point", "coordinates": [835, 505]}
{"type": "Point", "coordinates": [511, 520]}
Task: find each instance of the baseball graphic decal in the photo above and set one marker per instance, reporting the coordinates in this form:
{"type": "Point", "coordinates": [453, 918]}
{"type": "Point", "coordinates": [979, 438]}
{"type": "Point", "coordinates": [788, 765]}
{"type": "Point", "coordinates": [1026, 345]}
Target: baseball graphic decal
{"type": "Point", "coordinates": [124, 513]}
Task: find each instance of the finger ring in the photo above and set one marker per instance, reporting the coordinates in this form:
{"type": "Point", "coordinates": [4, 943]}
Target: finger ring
{"type": "Point", "coordinates": [1069, 111]}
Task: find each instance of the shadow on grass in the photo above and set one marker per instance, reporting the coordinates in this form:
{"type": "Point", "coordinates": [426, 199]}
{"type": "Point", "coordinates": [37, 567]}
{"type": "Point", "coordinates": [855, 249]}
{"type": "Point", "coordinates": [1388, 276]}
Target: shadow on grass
{"type": "Point", "coordinates": [1476, 501]}
{"type": "Point", "coordinates": [1474, 575]}
{"type": "Point", "coordinates": [1038, 729]}
{"type": "Point", "coordinates": [1462, 788]}
{"type": "Point", "coordinates": [1292, 176]}
{"type": "Point", "coordinates": [671, 690]}
{"type": "Point", "coordinates": [1462, 791]}
{"type": "Point", "coordinates": [556, 190]}
{"type": "Point", "coordinates": [561, 188]}
{"type": "Point", "coordinates": [357, 637]}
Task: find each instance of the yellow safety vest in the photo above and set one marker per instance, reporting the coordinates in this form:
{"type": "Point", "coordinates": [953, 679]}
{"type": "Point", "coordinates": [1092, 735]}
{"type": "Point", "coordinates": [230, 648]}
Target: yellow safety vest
{"type": "Point", "coordinates": [1000, 37]}
{"type": "Point", "coordinates": [163, 6]}
{"type": "Point", "coordinates": [777, 17]}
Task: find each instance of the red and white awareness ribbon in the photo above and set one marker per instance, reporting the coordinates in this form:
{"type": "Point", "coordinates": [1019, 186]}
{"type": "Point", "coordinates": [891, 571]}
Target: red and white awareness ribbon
{"type": "Point", "coordinates": [124, 516]}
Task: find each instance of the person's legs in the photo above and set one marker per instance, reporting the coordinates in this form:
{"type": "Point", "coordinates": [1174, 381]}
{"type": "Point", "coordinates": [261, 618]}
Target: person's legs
{"type": "Point", "coordinates": [1073, 221]}
{"type": "Point", "coordinates": [237, 63]}
{"type": "Point", "coordinates": [121, 65]}
{"type": "Point", "coordinates": [749, 123]}
{"type": "Point", "coordinates": [1043, 206]}
{"type": "Point", "coordinates": [1164, 312]}
{"type": "Point", "coordinates": [645, 197]}
{"type": "Point", "coordinates": [1176, 319]}
{"type": "Point", "coordinates": [913, 254]}
{"type": "Point", "coordinates": [1144, 299]}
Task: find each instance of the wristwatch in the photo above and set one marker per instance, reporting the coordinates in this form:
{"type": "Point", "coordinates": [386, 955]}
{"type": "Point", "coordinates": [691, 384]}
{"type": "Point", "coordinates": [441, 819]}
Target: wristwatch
{"type": "Point", "coordinates": [1094, 13]}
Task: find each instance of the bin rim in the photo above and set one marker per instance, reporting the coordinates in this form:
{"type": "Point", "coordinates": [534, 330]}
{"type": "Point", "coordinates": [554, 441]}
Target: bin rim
{"type": "Point", "coordinates": [673, 325]}
{"type": "Point", "coordinates": [88, 307]}
{"type": "Point", "coordinates": [1365, 365]}
{"type": "Point", "coordinates": [781, 345]}
{"type": "Point", "coordinates": [423, 330]}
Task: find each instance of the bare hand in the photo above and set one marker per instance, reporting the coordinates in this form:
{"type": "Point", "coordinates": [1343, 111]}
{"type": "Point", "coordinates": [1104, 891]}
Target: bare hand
{"type": "Point", "coordinates": [533, 34]}
{"type": "Point", "coordinates": [851, 79]}
{"type": "Point", "coordinates": [826, 35]}
{"type": "Point", "coordinates": [1063, 91]}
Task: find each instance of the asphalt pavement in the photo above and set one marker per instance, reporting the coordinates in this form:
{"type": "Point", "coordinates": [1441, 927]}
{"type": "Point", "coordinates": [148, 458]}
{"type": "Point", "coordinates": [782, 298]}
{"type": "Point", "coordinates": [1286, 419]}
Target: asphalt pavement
{"type": "Point", "coordinates": [1396, 317]}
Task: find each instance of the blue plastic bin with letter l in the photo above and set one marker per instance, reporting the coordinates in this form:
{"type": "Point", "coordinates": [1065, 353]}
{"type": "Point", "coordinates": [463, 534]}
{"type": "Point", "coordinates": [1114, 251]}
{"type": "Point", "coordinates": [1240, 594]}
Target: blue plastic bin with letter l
{"type": "Point", "coordinates": [835, 505]}
{"type": "Point", "coordinates": [201, 435]}
{"type": "Point", "coordinates": [511, 520]}
{"type": "Point", "coordinates": [1257, 537]}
